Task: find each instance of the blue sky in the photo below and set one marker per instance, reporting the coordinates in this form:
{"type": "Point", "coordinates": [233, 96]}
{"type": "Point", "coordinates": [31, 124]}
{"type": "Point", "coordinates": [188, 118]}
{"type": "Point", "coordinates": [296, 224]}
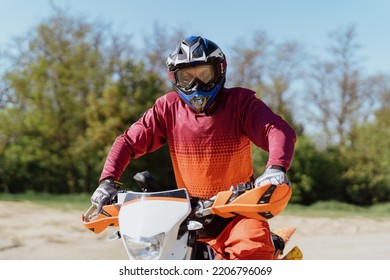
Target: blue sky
{"type": "Point", "coordinates": [223, 21]}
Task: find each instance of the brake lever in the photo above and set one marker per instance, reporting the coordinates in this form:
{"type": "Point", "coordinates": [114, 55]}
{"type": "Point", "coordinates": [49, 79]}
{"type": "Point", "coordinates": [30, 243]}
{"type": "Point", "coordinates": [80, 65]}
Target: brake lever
{"type": "Point", "coordinates": [91, 213]}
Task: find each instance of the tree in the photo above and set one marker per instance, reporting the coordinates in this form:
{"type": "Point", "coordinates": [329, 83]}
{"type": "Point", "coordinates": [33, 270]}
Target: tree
{"type": "Point", "coordinates": [248, 63]}
{"type": "Point", "coordinates": [158, 46]}
{"type": "Point", "coordinates": [283, 70]}
{"type": "Point", "coordinates": [367, 159]}
{"type": "Point", "coordinates": [74, 86]}
{"type": "Point", "coordinates": [338, 90]}
{"type": "Point", "coordinates": [272, 70]}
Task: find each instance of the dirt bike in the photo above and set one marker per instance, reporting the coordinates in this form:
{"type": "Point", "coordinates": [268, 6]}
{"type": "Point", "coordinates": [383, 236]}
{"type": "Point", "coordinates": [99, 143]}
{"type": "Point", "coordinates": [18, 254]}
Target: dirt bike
{"type": "Point", "coordinates": [168, 224]}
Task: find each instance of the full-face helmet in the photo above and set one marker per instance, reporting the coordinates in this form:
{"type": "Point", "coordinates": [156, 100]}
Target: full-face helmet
{"type": "Point", "coordinates": [197, 70]}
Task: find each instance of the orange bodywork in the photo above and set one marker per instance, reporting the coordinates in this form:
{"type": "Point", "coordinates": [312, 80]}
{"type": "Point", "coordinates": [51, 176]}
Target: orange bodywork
{"type": "Point", "coordinates": [248, 204]}
{"type": "Point", "coordinates": [108, 217]}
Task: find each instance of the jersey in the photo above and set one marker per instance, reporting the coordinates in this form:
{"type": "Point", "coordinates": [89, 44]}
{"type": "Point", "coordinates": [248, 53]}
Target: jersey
{"type": "Point", "coordinates": [210, 151]}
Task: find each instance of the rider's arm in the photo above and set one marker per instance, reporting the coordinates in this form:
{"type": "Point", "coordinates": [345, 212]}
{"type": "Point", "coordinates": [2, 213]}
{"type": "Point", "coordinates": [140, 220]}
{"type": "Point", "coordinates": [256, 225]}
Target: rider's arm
{"type": "Point", "coordinates": [268, 131]}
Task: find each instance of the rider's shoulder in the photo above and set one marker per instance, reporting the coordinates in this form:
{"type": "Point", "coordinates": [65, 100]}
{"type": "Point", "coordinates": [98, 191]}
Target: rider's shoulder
{"type": "Point", "coordinates": [240, 92]}
{"type": "Point", "coordinates": [168, 98]}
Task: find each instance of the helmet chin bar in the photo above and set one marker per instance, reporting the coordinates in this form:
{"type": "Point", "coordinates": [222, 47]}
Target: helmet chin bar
{"type": "Point", "coordinates": [199, 102]}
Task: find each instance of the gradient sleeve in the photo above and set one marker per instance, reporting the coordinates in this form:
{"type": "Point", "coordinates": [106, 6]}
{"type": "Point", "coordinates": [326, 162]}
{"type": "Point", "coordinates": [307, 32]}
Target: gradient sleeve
{"type": "Point", "coordinates": [268, 131]}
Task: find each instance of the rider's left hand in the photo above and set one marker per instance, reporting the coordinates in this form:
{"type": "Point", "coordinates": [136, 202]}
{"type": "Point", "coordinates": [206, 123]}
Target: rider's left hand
{"type": "Point", "coordinates": [274, 175]}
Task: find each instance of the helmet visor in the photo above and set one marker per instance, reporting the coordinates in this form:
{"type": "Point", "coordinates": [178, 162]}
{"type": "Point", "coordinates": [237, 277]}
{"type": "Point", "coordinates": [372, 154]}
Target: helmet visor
{"type": "Point", "coordinates": [187, 76]}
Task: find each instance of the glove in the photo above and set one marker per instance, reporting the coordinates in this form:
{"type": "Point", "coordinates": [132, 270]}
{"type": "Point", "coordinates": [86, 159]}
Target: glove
{"type": "Point", "coordinates": [274, 175]}
{"type": "Point", "coordinates": [104, 193]}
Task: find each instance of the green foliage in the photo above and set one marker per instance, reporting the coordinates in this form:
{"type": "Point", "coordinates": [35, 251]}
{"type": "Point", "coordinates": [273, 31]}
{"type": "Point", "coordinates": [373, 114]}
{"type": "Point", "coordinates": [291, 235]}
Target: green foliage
{"type": "Point", "coordinates": [368, 162]}
{"type": "Point", "coordinates": [74, 92]}
{"type": "Point", "coordinates": [358, 174]}
{"type": "Point", "coordinates": [26, 169]}
{"type": "Point", "coordinates": [315, 174]}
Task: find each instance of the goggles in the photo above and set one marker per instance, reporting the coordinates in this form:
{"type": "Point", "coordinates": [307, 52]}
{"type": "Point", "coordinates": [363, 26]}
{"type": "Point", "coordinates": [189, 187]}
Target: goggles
{"type": "Point", "coordinates": [186, 77]}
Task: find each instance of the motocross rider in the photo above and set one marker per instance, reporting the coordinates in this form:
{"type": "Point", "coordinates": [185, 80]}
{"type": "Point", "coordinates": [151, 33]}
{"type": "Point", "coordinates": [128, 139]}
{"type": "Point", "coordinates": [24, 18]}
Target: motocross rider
{"type": "Point", "coordinates": [210, 130]}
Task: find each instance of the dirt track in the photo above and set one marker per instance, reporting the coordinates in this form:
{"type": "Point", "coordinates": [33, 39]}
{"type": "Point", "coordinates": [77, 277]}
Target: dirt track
{"type": "Point", "coordinates": [32, 232]}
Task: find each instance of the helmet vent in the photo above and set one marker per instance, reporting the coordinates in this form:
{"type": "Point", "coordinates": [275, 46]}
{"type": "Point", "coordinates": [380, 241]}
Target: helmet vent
{"type": "Point", "coordinates": [198, 52]}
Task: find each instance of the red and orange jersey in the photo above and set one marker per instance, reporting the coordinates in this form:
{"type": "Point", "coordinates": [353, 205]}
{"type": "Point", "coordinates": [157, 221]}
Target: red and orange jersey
{"type": "Point", "coordinates": [210, 151]}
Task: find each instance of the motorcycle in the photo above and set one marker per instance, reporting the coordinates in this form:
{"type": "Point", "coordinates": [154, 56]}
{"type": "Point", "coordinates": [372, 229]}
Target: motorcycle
{"type": "Point", "coordinates": [158, 224]}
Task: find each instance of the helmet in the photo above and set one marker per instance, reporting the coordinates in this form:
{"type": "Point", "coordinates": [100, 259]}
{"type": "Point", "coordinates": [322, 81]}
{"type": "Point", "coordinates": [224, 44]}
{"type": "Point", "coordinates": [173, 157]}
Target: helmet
{"type": "Point", "coordinates": [261, 203]}
{"type": "Point", "coordinates": [197, 70]}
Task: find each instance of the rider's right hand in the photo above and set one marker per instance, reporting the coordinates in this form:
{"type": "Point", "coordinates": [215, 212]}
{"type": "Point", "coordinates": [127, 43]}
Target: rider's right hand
{"type": "Point", "coordinates": [104, 193]}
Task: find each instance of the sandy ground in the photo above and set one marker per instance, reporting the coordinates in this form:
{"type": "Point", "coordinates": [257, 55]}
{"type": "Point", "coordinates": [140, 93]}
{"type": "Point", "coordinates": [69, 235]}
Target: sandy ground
{"type": "Point", "coordinates": [32, 232]}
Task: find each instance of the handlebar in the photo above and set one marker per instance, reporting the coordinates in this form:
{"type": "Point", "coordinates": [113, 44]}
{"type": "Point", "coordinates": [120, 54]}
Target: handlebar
{"type": "Point", "coordinates": [254, 203]}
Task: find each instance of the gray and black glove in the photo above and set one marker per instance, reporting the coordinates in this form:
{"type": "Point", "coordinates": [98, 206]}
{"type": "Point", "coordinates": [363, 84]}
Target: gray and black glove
{"type": "Point", "coordinates": [274, 175]}
{"type": "Point", "coordinates": [107, 189]}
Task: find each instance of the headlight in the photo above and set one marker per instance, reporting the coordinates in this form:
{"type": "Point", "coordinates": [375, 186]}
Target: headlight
{"type": "Point", "coordinates": [144, 248]}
